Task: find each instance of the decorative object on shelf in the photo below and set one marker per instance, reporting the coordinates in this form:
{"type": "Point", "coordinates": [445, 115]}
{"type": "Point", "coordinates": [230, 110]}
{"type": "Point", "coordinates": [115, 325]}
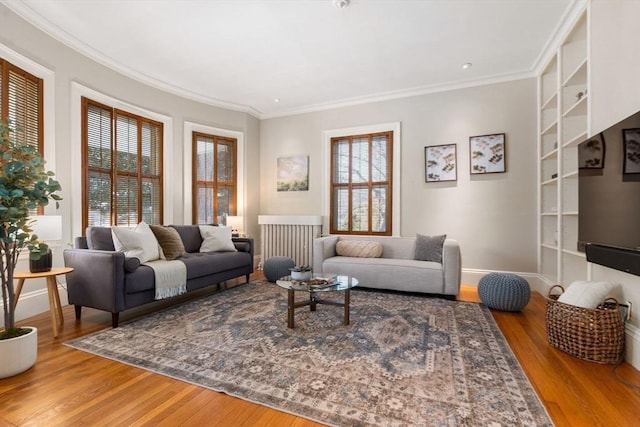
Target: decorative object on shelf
{"type": "Point", "coordinates": [591, 153]}
{"type": "Point", "coordinates": [487, 154]}
{"type": "Point", "coordinates": [301, 272]}
{"type": "Point", "coordinates": [24, 185]}
{"type": "Point", "coordinates": [440, 163]}
{"type": "Point", "coordinates": [293, 173]}
{"type": "Point", "coordinates": [48, 229]}
{"type": "Point", "coordinates": [554, 175]}
{"type": "Point", "coordinates": [579, 96]}
{"type": "Point", "coordinates": [631, 139]}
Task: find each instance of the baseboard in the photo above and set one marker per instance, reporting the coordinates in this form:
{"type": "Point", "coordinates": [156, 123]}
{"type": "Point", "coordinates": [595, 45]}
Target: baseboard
{"type": "Point", "coordinates": [537, 283]}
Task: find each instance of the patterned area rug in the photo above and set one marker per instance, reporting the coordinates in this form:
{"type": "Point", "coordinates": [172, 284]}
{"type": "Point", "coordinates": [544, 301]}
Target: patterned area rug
{"type": "Point", "coordinates": [404, 360]}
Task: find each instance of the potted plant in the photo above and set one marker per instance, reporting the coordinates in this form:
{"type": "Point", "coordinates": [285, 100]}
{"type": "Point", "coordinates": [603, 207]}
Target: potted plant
{"type": "Point", "coordinates": [24, 186]}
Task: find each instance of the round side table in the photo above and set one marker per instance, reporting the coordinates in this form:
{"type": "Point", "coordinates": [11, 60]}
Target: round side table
{"type": "Point", "coordinates": [52, 289]}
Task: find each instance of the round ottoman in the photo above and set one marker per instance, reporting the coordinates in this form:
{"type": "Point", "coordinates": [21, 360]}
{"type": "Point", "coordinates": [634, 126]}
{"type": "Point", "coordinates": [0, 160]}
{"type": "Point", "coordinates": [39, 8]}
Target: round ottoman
{"type": "Point", "coordinates": [504, 291]}
{"type": "Point", "coordinates": [277, 267]}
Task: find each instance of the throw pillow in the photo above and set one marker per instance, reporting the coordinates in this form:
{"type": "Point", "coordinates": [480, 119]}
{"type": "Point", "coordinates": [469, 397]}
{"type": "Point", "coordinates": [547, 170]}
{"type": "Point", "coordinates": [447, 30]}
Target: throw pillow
{"type": "Point", "coordinates": [587, 294]}
{"type": "Point", "coordinates": [429, 248]}
{"type": "Point", "coordinates": [169, 240]}
{"type": "Point", "coordinates": [359, 248]}
{"type": "Point", "coordinates": [137, 243]}
{"type": "Point", "coordinates": [216, 239]}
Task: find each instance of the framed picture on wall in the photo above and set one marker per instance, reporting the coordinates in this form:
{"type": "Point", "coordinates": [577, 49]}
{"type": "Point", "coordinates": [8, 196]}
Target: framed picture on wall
{"type": "Point", "coordinates": [487, 154]}
{"type": "Point", "coordinates": [631, 140]}
{"type": "Point", "coordinates": [293, 173]}
{"type": "Point", "coordinates": [591, 153]}
{"type": "Point", "coordinates": [440, 163]}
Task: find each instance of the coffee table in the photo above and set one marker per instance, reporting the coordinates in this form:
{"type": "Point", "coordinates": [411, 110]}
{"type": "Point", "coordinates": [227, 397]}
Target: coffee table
{"type": "Point", "coordinates": [336, 283]}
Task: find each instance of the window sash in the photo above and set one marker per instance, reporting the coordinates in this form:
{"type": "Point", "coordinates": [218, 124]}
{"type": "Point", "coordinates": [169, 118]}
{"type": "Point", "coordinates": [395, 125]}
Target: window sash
{"type": "Point", "coordinates": [214, 177]}
{"type": "Point", "coordinates": [122, 166]}
{"type": "Point", "coordinates": [361, 177]}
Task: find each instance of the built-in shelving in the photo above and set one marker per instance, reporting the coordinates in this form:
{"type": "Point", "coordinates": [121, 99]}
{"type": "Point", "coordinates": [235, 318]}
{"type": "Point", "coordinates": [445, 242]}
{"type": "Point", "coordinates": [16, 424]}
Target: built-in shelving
{"type": "Point", "coordinates": [563, 117]}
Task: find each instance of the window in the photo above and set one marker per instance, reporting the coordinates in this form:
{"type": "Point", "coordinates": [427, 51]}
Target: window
{"type": "Point", "coordinates": [214, 178]}
{"type": "Point", "coordinates": [122, 166]}
{"type": "Point", "coordinates": [21, 102]}
{"type": "Point", "coordinates": [361, 184]}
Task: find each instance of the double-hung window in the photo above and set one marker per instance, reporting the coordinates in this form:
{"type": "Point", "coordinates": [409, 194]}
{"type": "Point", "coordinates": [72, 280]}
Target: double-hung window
{"type": "Point", "coordinates": [122, 166]}
{"type": "Point", "coordinates": [361, 184]}
{"type": "Point", "coordinates": [214, 178]}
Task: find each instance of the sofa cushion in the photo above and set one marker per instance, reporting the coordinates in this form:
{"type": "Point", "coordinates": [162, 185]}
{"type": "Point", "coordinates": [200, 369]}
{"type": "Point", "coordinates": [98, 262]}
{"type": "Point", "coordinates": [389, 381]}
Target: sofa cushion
{"type": "Point", "coordinates": [359, 248]}
{"type": "Point", "coordinates": [429, 248]}
{"type": "Point", "coordinates": [169, 241]}
{"type": "Point", "coordinates": [206, 263]}
{"type": "Point", "coordinates": [139, 242]}
{"type": "Point", "coordinates": [216, 239]}
{"type": "Point", "coordinates": [190, 235]}
{"type": "Point", "coordinates": [99, 238]}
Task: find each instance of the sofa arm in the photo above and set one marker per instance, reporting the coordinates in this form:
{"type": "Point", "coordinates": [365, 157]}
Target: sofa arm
{"type": "Point", "coordinates": [452, 266]}
{"type": "Point", "coordinates": [245, 244]}
{"type": "Point", "coordinates": [97, 280]}
{"type": "Point", "coordinates": [323, 248]}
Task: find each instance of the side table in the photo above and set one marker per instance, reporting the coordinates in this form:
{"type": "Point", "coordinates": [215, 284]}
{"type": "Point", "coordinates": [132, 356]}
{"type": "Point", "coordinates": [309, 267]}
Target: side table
{"type": "Point", "coordinates": [52, 289]}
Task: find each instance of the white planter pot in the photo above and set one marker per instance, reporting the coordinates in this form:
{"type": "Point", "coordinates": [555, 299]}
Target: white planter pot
{"type": "Point", "coordinates": [18, 354]}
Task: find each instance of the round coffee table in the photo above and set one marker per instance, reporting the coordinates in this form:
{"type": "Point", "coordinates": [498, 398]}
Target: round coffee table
{"type": "Point", "coordinates": [335, 283]}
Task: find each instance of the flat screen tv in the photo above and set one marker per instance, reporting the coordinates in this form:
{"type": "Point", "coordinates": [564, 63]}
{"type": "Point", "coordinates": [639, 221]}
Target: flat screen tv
{"type": "Point", "coordinates": [609, 191]}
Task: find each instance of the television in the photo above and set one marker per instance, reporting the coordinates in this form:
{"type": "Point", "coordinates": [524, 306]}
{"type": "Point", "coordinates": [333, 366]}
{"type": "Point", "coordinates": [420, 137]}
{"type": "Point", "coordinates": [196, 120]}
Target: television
{"type": "Point", "coordinates": [609, 196]}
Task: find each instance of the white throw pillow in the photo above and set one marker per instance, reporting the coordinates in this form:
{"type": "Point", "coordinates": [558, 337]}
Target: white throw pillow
{"type": "Point", "coordinates": [216, 239]}
{"type": "Point", "coordinates": [138, 243]}
{"type": "Point", "coordinates": [587, 294]}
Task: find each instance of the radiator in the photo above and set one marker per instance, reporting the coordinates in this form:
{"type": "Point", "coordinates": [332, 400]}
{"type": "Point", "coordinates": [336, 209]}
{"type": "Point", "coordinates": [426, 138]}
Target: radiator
{"type": "Point", "coordinates": [289, 235]}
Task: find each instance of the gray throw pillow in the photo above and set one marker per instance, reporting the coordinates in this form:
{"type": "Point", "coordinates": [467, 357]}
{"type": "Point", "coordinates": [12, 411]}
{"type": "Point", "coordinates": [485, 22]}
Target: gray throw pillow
{"type": "Point", "coordinates": [429, 248]}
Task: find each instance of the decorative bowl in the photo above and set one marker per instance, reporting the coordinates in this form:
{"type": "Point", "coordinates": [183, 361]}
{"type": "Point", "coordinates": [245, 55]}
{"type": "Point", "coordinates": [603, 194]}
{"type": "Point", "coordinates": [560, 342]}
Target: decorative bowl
{"type": "Point", "coordinates": [300, 275]}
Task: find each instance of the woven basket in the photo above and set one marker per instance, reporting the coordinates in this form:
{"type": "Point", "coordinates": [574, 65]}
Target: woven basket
{"type": "Point", "coordinates": [595, 335]}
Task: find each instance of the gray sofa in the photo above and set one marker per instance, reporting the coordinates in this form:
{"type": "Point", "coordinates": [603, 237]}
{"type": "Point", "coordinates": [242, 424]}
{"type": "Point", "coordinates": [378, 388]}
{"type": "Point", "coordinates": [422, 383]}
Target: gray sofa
{"type": "Point", "coordinates": [106, 280]}
{"type": "Point", "coordinates": [395, 269]}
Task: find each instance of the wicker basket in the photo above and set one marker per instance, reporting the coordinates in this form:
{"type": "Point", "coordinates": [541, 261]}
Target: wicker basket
{"type": "Point", "coordinates": [595, 335]}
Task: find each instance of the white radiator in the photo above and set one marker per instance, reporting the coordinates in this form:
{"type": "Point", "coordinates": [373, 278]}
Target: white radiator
{"type": "Point", "coordinates": [289, 235]}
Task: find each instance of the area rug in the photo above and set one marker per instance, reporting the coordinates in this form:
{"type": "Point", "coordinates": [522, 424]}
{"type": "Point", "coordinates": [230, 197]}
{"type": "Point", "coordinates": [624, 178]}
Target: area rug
{"type": "Point", "coordinates": [403, 360]}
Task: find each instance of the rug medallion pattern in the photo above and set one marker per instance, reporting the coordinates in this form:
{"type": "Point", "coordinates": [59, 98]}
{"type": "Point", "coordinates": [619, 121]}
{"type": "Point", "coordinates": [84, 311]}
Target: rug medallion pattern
{"type": "Point", "coordinates": [404, 360]}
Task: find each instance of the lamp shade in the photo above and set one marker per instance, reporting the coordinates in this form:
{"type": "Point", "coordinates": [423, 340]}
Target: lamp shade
{"type": "Point", "coordinates": [47, 227]}
{"type": "Point", "coordinates": [235, 222]}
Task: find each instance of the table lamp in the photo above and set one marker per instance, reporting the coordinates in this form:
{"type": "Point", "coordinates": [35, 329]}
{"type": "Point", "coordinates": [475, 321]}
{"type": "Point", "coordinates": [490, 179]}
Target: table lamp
{"type": "Point", "coordinates": [235, 222]}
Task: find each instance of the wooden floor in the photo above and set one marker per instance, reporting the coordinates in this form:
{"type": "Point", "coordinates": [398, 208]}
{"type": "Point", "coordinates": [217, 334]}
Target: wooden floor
{"type": "Point", "coordinates": [69, 387]}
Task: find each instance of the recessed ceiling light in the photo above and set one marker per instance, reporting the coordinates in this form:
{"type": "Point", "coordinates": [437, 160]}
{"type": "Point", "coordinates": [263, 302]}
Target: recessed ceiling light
{"type": "Point", "coordinates": [276, 99]}
{"type": "Point", "coordinates": [467, 65]}
{"type": "Point", "coordinates": [341, 4]}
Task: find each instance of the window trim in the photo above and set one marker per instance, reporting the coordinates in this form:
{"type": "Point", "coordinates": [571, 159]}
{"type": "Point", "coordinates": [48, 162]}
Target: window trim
{"type": "Point", "coordinates": [49, 100]}
{"type": "Point", "coordinates": [77, 92]}
{"type": "Point", "coordinates": [187, 149]}
{"type": "Point", "coordinates": [395, 184]}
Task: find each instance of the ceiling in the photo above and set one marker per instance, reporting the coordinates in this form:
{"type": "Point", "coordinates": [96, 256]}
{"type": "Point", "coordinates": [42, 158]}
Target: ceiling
{"type": "Point", "coordinates": [308, 54]}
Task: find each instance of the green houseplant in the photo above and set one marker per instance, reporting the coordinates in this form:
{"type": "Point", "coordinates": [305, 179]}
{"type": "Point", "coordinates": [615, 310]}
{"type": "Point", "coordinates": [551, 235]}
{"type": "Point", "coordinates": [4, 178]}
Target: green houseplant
{"type": "Point", "coordinates": [24, 186]}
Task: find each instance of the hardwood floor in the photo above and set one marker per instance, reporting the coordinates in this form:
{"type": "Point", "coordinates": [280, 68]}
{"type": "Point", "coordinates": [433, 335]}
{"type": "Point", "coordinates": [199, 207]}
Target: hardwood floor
{"type": "Point", "coordinates": [70, 387]}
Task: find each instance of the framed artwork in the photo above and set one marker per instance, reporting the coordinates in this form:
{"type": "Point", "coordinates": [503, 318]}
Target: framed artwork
{"type": "Point", "coordinates": [440, 163]}
{"type": "Point", "coordinates": [591, 153]}
{"type": "Point", "coordinates": [293, 173]}
{"type": "Point", "coordinates": [487, 154]}
{"type": "Point", "coordinates": [631, 139]}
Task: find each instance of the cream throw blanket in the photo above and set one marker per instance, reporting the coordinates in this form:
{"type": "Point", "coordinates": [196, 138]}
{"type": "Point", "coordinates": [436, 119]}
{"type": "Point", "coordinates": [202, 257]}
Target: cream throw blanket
{"type": "Point", "coordinates": [171, 277]}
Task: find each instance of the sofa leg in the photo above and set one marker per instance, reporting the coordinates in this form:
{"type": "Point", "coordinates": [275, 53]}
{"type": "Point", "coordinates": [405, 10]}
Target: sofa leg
{"type": "Point", "coordinates": [78, 311]}
{"type": "Point", "coordinates": [247, 278]}
{"type": "Point", "coordinates": [114, 319]}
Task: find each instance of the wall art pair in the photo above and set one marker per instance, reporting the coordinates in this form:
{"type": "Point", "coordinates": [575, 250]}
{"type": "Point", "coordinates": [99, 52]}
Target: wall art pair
{"type": "Point", "coordinates": [486, 155]}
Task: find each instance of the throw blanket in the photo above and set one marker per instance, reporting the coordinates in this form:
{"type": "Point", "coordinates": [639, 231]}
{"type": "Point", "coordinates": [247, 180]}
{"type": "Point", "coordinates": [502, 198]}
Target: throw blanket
{"type": "Point", "coordinates": [171, 277]}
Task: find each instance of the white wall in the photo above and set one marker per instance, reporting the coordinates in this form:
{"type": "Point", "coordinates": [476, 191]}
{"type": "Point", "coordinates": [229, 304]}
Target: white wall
{"type": "Point", "coordinates": [614, 95]}
{"type": "Point", "coordinates": [492, 216]}
{"type": "Point", "coordinates": [68, 67]}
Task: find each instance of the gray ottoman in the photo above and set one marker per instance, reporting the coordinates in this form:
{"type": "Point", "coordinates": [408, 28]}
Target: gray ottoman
{"type": "Point", "coordinates": [277, 267]}
{"type": "Point", "coordinates": [504, 291]}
